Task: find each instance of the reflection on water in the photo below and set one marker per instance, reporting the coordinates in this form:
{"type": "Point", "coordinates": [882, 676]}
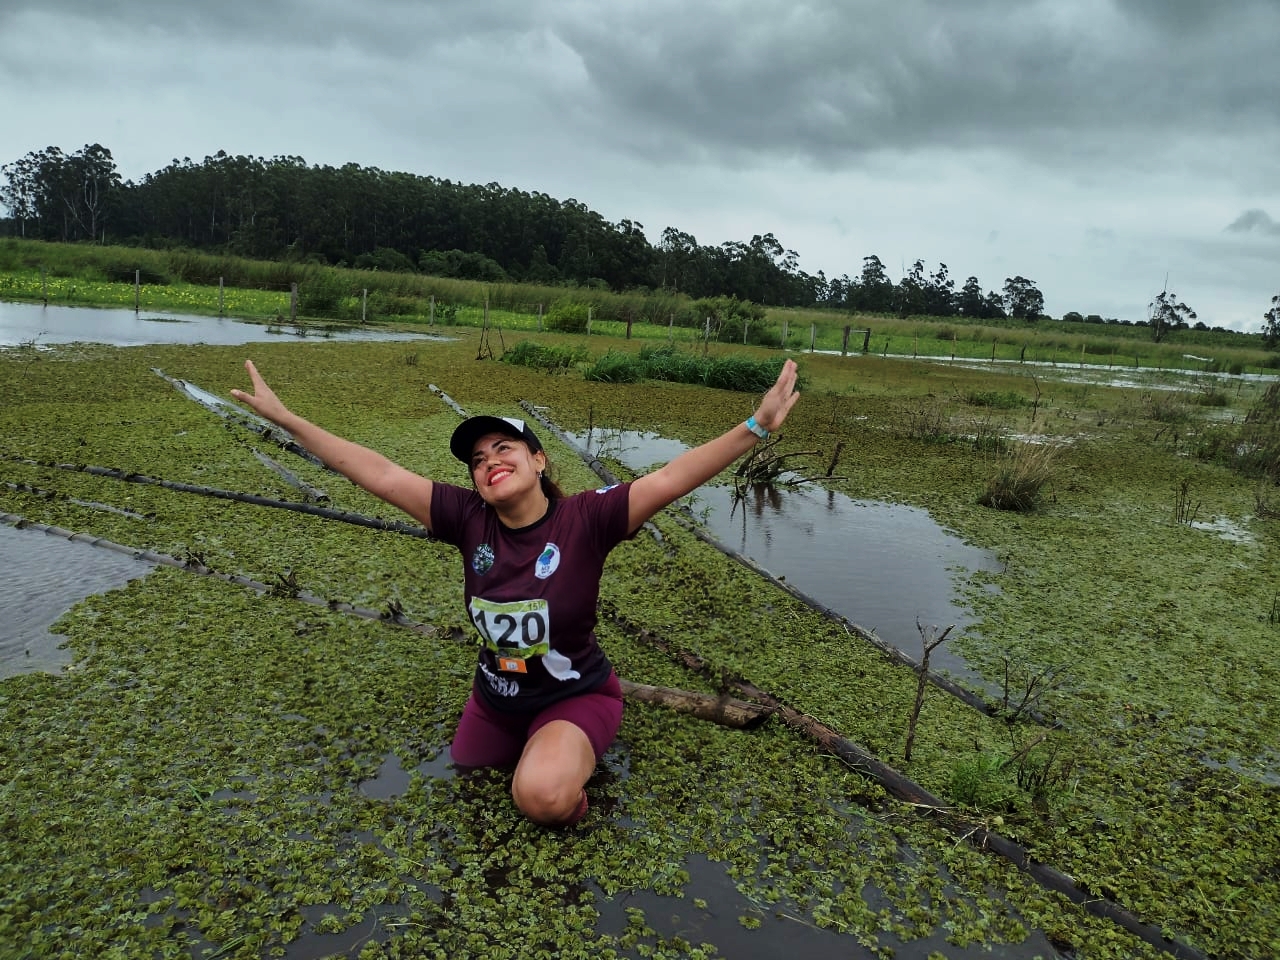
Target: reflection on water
{"type": "Point", "coordinates": [880, 565]}
{"type": "Point", "coordinates": [32, 323]}
{"type": "Point", "coordinates": [714, 906]}
{"type": "Point", "coordinates": [44, 576]}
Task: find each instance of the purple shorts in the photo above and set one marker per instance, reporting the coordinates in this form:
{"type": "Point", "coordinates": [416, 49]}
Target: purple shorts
{"type": "Point", "coordinates": [493, 738]}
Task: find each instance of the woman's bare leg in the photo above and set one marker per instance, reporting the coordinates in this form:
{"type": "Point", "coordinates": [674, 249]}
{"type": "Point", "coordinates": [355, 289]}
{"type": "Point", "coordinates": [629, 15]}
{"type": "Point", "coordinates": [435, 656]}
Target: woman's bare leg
{"type": "Point", "coordinates": [555, 765]}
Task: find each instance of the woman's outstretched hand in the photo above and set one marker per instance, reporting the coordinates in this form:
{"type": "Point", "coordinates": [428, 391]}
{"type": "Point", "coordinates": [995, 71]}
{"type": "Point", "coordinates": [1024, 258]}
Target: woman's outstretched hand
{"type": "Point", "coordinates": [263, 400]}
{"type": "Point", "coordinates": [782, 396]}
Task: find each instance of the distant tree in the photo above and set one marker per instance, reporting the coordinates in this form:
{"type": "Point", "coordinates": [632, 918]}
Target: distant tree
{"type": "Point", "coordinates": [1072, 316]}
{"type": "Point", "coordinates": [67, 195]}
{"type": "Point", "coordinates": [1166, 313]}
{"type": "Point", "coordinates": [677, 254]}
{"type": "Point", "coordinates": [873, 291]}
{"type": "Point", "coordinates": [940, 293]}
{"type": "Point", "coordinates": [1271, 324]}
{"type": "Point", "coordinates": [18, 192]}
{"type": "Point", "coordinates": [910, 296]}
{"type": "Point", "coordinates": [1022, 300]}
{"type": "Point", "coordinates": [838, 292]}
{"type": "Point", "coordinates": [970, 301]}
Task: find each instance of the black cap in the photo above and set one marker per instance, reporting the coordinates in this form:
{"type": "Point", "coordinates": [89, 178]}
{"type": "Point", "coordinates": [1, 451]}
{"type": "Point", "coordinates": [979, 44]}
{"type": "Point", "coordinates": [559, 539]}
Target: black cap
{"type": "Point", "coordinates": [464, 438]}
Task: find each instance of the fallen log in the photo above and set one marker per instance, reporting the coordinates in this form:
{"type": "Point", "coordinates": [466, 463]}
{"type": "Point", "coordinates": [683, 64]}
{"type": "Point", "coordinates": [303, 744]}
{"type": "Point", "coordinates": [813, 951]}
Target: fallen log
{"type": "Point", "coordinates": [357, 519]}
{"type": "Point", "coordinates": [234, 414]}
{"type": "Point", "coordinates": [922, 801]}
{"type": "Point", "coordinates": [448, 400]}
{"type": "Point", "coordinates": [724, 710]}
{"type": "Point", "coordinates": [312, 494]}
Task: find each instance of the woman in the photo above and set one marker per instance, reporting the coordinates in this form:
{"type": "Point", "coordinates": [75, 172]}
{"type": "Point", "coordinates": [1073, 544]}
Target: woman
{"type": "Point", "coordinates": [545, 698]}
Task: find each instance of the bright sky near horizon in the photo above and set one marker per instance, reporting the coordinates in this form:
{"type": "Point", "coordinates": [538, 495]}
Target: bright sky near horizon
{"type": "Point", "coordinates": [1100, 148]}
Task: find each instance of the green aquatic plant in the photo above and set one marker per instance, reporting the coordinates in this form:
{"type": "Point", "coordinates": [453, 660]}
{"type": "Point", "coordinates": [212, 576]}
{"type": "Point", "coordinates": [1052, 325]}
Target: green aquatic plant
{"type": "Point", "coordinates": [217, 740]}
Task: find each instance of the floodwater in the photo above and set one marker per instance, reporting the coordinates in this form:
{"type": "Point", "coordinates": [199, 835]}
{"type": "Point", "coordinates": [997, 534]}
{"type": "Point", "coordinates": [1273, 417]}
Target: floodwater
{"type": "Point", "coordinates": [45, 576]}
{"type": "Point", "coordinates": [1195, 373]}
{"type": "Point", "coordinates": [888, 568]}
{"type": "Point", "coordinates": [38, 325]}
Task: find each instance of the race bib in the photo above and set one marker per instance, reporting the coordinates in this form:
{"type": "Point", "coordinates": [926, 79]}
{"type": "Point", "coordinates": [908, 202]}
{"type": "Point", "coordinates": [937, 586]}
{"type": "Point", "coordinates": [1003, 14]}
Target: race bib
{"type": "Point", "coordinates": [513, 631]}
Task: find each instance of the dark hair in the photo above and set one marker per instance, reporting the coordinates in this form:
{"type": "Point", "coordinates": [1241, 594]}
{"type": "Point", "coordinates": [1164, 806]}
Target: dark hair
{"type": "Point", "coordinates": [549, 486]}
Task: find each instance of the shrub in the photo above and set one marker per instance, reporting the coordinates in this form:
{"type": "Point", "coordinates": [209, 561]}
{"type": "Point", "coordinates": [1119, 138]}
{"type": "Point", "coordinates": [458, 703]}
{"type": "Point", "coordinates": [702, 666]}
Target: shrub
{"type": "Point", "coordinates": [926, 420]}
{"type": "Point", "coordinates": [1021, 477]}
{"type": "Point", "coordinates": [322, 295]}
{"type": "Point", "coordinates": [616, 367]}
{"type": "Point", "coordinates": [526, 353]}
{"type": "Point", "coordinates": [568, 316]}
{"type": "Point", "coordinates": [671, 365]}
{"type": "Point", "coordinates": [982, 783]}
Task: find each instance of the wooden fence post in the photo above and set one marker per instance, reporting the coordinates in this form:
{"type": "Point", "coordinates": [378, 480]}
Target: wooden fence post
{"type": "Point", "coordinates": [844, 342]}
{"type": "Point", "coordinates": [293, 302]}
{"type": "Point", "coordinates": [137, 290]}
{"type": "Point", "coordinates": [220, 299]}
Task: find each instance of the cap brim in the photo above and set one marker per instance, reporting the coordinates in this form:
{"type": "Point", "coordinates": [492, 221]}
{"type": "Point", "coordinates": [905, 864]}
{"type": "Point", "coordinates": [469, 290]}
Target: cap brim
{"type": "Point", "coordinates": [464, 438]}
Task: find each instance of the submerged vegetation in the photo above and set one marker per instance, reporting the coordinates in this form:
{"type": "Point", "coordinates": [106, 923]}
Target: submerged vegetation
{"type": "Point", "coordinates": [199, 783]}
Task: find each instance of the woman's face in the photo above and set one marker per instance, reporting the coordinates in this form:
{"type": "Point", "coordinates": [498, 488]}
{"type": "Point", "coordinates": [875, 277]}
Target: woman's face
{"type": "Point", "coordinates": [503, 469]}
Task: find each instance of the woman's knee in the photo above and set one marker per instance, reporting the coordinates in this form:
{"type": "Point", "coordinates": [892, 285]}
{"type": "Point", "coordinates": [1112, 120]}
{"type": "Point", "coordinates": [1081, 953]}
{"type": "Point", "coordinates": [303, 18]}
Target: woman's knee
{"type": "Point", "coordinates": [544, 799]}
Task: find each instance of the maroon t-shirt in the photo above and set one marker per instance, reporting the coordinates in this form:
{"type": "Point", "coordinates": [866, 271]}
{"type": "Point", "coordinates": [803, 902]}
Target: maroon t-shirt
{"type": "Point", "coordinates": [531, 593]}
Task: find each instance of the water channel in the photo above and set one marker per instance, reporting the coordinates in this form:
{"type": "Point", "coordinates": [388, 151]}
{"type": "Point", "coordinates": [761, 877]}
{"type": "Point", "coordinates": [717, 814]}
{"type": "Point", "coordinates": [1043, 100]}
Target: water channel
{"type": "Point", "coordinates": [43, 577]}
{"type": "Point", "coordinates": [891, 569]}
{"type": "Point", "coordinates": [36, 325]}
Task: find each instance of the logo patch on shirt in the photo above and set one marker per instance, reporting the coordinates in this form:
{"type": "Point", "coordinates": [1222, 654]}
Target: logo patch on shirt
{"type": "Point", "coordinates": [547, 562]}
{"type": "Point", "coordinates": [482, 559]}
{"type": "Point", "coordinates": [606, 489]}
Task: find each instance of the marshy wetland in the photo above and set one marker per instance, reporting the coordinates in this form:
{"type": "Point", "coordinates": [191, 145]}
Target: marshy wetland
{"type": "Point", "coordinates": [229, 771]}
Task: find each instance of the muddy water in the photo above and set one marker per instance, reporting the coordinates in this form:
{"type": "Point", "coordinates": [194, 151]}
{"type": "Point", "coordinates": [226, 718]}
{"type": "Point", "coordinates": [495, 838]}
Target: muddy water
{"type": "Point", "coordinates": [882, 566]}
{"type": "Point", "coordinates": [41, 577]}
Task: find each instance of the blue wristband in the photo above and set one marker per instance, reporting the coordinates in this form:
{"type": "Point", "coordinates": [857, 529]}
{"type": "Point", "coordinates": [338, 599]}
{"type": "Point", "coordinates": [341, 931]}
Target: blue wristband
{"type": "Point", "coordinates": [755, 428]}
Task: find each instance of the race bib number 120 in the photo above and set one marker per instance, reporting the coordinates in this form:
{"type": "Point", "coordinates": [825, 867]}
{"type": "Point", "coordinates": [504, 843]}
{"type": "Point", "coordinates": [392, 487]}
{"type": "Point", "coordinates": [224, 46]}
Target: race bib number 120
{"type": "Point", "coordinates": [513, 631]}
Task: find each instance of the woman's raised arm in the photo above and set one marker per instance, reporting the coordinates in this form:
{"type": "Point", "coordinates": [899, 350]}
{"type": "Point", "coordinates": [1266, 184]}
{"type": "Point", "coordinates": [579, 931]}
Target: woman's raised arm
{"type": "Point", "coordinates": [364, 467]}
{"type": "Point", "coordinates": [691, 469]}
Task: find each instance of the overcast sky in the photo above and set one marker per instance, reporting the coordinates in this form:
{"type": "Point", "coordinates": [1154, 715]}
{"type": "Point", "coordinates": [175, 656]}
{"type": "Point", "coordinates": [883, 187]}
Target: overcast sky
{"type": "Point", "coordinates": [1096, 147]}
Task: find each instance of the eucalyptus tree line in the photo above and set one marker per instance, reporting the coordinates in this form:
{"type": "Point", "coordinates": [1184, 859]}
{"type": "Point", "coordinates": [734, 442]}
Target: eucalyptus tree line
{"type": "Point", "coordinates": [58, 196]}
{"type": "Point", "coordinates": [283, 208]}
